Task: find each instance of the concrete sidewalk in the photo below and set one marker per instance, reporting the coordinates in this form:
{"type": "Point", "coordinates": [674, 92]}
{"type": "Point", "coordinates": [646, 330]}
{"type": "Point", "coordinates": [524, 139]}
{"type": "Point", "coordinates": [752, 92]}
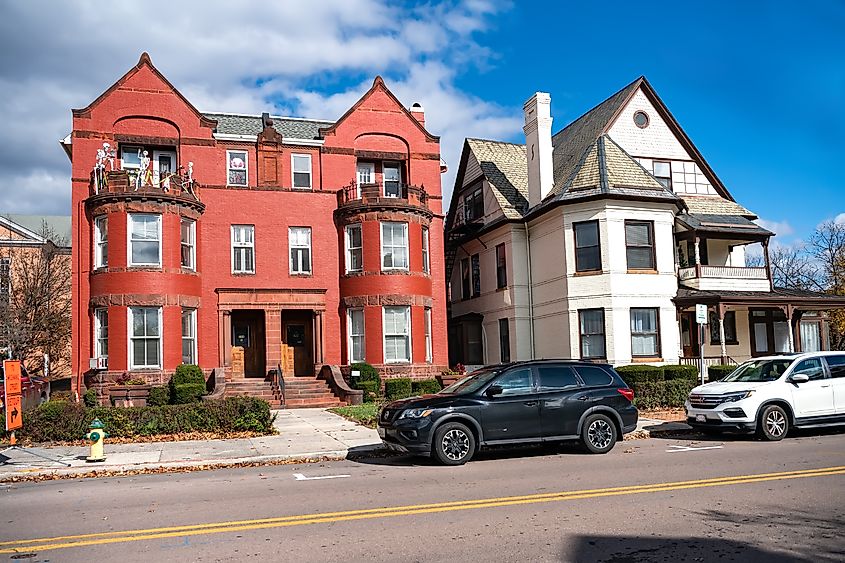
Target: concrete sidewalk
{"type": "Point", "coordinates": [303, 433]}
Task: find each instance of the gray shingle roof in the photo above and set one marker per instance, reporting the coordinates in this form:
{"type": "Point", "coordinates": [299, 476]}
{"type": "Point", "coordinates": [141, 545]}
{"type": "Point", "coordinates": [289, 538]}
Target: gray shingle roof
{"type": "Point", "coordinates": [715, 223]}
{"type": "Point", "coordinates": [715, 205]}
{"type": "Point", "coordinates": [231, 124]}
{"type": "Point", "coordinates": [506, 169]}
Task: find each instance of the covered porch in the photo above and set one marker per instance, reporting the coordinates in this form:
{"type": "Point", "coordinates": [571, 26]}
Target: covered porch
{"type": "Point", "coordinates": [747, 324]}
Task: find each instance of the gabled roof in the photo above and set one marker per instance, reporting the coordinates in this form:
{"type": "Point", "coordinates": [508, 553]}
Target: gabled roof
{"type": "Point", "coordinates": [505, 167]}
{"type": "Point", "coordinates": [715, 205]}
{"type": "Point", "coordinates": [606, 170]}
{"type": "Point", "coordinates": [32, 227]}
{"type": "Point", "coordinates": [288, 127]}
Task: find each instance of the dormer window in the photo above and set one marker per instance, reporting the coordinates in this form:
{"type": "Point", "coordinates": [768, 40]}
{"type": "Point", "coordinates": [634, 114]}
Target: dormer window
{"type": "Point", "coordinates": [663, 173]}
{"type": "Point", "coordinates": [474, 205]}
{"type": "Point", "coordinates": [236, 168]}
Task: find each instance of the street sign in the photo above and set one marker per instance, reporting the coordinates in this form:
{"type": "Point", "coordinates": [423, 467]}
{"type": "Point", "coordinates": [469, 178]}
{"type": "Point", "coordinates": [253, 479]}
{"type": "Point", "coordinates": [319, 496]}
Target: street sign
{"type": "Point", "coordinates": [701, 314]}
{"type": "Point", "coordinates": [12, 394]}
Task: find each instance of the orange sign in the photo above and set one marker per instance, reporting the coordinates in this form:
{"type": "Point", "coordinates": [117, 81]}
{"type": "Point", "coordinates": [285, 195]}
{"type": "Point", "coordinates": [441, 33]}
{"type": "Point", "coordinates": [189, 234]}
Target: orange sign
{"type": "Point", "coordinates": [12, 391]}
{"type": "Point", "coordinates": [14, 412]}
{"type": "Point", "coordinates": [12, 372]}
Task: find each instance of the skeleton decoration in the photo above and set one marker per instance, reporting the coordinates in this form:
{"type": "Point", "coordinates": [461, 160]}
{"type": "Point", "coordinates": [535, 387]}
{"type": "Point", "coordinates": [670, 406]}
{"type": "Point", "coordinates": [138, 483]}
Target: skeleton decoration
{"type": "Point", "coordinates": [145, 174]}
{"type": "Point", "coordinates": [105, 154]}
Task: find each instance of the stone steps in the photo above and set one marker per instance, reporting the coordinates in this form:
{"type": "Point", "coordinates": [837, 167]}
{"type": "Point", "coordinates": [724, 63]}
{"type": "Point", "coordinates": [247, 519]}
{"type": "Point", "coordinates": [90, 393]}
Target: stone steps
{"type": "Point", "coordinates": [300, 392]}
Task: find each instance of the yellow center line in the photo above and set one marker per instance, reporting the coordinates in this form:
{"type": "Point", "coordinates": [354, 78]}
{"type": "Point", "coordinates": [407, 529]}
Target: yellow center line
{"type": "Point", "coordinates": [81, 540]}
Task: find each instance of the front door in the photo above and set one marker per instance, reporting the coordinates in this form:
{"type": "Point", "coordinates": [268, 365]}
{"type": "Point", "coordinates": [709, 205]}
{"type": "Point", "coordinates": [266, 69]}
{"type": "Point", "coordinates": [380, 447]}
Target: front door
{"type": "Point", "coordinates": [297, 333]}
{"type": "Point", "coordinates": [689, 335]}
{"type": "Point", "coordinates": [515, 413]}
{"type": "Point", "coordinates": [248, 333]}
{"type": "Point", "coordinates": [164, 164]}
{"type": "Point", "coordinates": [815, 397]}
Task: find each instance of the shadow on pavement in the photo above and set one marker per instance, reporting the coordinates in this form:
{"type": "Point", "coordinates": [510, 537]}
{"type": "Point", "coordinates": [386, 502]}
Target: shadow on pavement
{"type": "Point", "coordinates": [634, 549]}
{"type": "Point", "coordinates": [383, 457]}
{"type": "Point", "coordinates": [666, 432]}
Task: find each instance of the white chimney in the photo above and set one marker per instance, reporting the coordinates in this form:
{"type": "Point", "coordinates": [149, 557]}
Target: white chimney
{"type": "Point", "coordinates": [418, 112]}
{"type": "Point", "coordinates": [538, 146]}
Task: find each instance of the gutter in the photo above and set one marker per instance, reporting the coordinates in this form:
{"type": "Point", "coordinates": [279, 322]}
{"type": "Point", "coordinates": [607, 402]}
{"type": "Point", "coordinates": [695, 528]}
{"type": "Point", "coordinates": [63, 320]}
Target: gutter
{"type": "Point", "coordinates": [530, 290]}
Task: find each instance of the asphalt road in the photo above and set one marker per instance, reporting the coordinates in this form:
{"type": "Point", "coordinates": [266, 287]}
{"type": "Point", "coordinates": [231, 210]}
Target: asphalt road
{"type": "Point", "coordinates": [648, 500]}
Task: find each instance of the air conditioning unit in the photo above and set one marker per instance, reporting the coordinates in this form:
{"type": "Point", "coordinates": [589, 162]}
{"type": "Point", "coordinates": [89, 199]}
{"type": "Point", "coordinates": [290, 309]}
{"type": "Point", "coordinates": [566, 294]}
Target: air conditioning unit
{"type": "Point", "coordinates": [99, 363]}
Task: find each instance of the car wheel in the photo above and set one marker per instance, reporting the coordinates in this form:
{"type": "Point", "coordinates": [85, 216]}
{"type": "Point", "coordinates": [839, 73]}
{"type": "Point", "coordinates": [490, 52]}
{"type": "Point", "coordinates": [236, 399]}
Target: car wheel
{"type": "Point", "coordinates": [453, 444]}
{"type": "Point", "coordinates": [773, 424]}
{"type": "Point", "coordinates": [598, 434]}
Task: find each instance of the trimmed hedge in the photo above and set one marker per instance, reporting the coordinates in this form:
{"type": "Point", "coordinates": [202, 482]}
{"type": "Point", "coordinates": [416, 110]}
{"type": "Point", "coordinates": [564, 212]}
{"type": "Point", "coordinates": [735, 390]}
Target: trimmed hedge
{"type": "Point", "coordinates": [368, 379]}
{"type": "Point", "coordinates": [672, 372]}
{"type": "Point", "coordinates": [159, 396]}
{"type": "Point", "coordinates": [640, 373]}
{"type": "Point", "coordinates": [90, 398]}
{"type": "Point", "coordinates": [399, 388]}
{"type": "Point", "coordinates": [425, 386]}
{"type": "Point", "coordinates": [370, 389]}
{"type": "Point", "coordinates": [187, 393]}
{"type": "Point", "coordinates": [662, 394]}
{"type": "Point", "coordinates": [62, 421]}
{"type": "Point", "coordinates": [716, 372]}
{"type": "Point", "coordinates": [187, 373]}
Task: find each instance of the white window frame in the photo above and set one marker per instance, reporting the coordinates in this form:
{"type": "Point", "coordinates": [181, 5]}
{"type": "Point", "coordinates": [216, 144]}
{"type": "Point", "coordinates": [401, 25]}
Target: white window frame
{"type": "Point", "coordinates": [130, 337]}
{"type": "Point", "coordinates": [371, 172]}
{"type": "Point", "coordinates": [426, 255]}
{"type": "Point", "coordinates": [381, 235]}
{"type": "Point", "coordinates": [5, 280]}
{"type": "Point", "coordinates": [429, 349]}
{"type": "Point", "coordinates": [192, 243]}
{"type": "Point", "coordinates": [298, 269]}
{"type": "Point", "coordinates": [129, 221]}
{"type": "Point", "coordinates": [246, 167]}
{"type": "Point", "coordinates": [293, 185]}
{"type": "Point", "coordinates": [398, 167]}
{"type": "Point", "coordinates": [193, 337]}
{"type": "Point", "coordinates": [242, 245]}
{"type": "Point", "coordinates": [101, 226]}
{"type": "Point", "coordinates": [350, 248]}
{"type": "Point", "coordinates": [410, 347]}
{"type": "Point", "coordinates": [351, 335]}
{"type": "Point", "coordinates": [98, 329]}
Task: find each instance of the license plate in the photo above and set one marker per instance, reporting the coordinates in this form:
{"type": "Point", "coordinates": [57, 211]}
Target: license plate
{"type": "Point", "coordinates": [380, 432]}
{"type": "Point", "coordinates": [700, 418]}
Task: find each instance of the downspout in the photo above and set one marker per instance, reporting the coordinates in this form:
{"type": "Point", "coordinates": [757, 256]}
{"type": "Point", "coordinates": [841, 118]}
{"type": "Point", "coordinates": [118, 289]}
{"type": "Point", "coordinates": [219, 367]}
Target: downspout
{"type": "Point", "coordinates": [530, 290]}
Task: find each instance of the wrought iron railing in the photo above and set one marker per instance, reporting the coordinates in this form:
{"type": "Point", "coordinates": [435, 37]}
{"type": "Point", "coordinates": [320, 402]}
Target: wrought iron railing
{"type": "Point", "coordinates": [357, 194]}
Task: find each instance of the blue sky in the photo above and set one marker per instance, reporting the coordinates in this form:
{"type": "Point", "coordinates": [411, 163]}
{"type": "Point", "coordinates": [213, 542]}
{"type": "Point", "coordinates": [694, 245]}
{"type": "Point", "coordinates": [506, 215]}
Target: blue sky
{"type": "Point", "coordinates": [758, 86]}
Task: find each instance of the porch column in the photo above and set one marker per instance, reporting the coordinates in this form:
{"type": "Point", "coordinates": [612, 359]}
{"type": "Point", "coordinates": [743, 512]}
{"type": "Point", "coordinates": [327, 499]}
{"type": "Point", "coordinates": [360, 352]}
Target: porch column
{"type": "Point", "coordinates": [697, 257]}
{"type": "Point", "coordinates": [226, 338]}
{"type": "Point", "coordinates": [795, 326]}
{"type": "Point", "coordinates": [721, 311]}
{"type": "Point", "coordinates": [317, 331]}
{"type": "Point", "coordinates": [768, 264]}
{"type": "Point", "coordinates": [789, 321]}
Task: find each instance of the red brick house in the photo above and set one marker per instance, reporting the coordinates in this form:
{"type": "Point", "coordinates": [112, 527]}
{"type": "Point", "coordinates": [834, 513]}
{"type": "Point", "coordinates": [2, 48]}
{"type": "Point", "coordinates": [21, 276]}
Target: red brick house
{"type": "Point", "coordinates": [199, 235]}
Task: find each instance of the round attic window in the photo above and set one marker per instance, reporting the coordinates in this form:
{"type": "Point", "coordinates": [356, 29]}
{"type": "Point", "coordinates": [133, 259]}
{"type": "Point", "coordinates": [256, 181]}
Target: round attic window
{"type": "Point", "coordinates": [641, 119]}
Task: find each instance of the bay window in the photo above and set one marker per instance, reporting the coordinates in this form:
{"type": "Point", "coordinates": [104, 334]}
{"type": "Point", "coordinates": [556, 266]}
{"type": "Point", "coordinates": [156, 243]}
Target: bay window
{"type": "Point", "coordinates": [101, 333]}
{"type": "Point", "coordinates": [355, 328]}
{"type": "Point", "coordinates": [188, 252]}
{"type": "Point", "coordinates": [144, 337]}
{"type": "Point", "coordinates": [397, 334]}
{"type": "Point", "coordinates": [144, 239]}
{"type": "Point", "coordinates": [101, 242]}
{"type": "Point", "coordinates": [189, 336]}
{"type": "Point", "coordinates": [394, 246]}
{"type": "Point", "coordinates": [354, 249]}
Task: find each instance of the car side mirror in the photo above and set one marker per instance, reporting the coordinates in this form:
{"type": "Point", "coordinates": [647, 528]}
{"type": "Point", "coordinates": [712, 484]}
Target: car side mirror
{"type": "Point", "coordinates": [494, 390]}
{"type": "Point", "coordinates": [799, 378]}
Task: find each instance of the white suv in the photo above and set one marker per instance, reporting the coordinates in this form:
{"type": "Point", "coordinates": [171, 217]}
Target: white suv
{"type": "Point", "coordinates": [772, 394]}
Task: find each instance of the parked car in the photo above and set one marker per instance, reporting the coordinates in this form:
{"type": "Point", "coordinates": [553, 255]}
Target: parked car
{"type": "Point", "coordinates": [524, 402]}
{"type": "Point", "coordinates": [772, 394]}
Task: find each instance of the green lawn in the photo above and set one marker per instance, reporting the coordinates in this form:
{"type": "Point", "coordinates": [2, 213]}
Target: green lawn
{"type": "Point", "coordinates": [366, 414]}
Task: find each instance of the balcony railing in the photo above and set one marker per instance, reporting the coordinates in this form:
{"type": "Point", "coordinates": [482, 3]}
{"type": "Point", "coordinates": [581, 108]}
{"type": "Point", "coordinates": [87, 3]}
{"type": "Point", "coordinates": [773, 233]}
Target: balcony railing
{"type": "Point", "coordinates": [375, 194]}
{"type": "Point", "coordinates": [722, 272]}
{"type": "Point", "coordinates": [128, 182]}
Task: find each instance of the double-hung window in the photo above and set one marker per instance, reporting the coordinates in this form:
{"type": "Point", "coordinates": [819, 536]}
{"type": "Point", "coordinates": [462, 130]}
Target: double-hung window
{"type": "Point", "coordinates": [394, 246]}
{"type": "Point", "coordinates": [663, 173]}
{"type": "Point", "coordinates": [591, 331]}
{"type": "Point", "coordinates": [101, 333]}
{"type": "Point", "coordinates": [236, 168]}
{"type": "Point", "coordinates": [243, 249]}
{"type": "Point", "coordinates": [189, 336]}
{"type": "Point", "coordinates": [504, 341]}
{"type": "Point", "coordinates": [354, 249]}
{"type": "Point", "coordinates": [587, 247]}
{"type": "Point", "coordinates": [366, 175]}
{"type": "Point", "coordinates": [144, 337]}
{"type": "Point", "coordinates": [397, 334]}
{"type": "Point", "coordinates": [392, 180]}
{"type": "Point", "coordinates": [475, 261]}
{"type": "Point", "coordinates": [645, 333]}
{"type": "Point", "coordinates": [299, 239]}
{"type": "Point", "coordinates": [301, 171]}
{"type": "Point", "coordinates": [474, 204]}
{"type": "Point", "coordinates": [730, 328]}
{"type": "Point", "coordinates": [355, 328]}
{"type": "Point", "coordinates": [429, 351]}
{"type": "Point", "coordinates": [101, 242]}
{"type": "Point", "coordinates": [639, 245]}
{"type": "Point", "coordinates": [501, 267]}
{"type": "Point", "coordinates": [188, 250]}
{"type": "Point", "coordinates": [426, 264]}
{"type": "Point", "coordinates": [144, 239]}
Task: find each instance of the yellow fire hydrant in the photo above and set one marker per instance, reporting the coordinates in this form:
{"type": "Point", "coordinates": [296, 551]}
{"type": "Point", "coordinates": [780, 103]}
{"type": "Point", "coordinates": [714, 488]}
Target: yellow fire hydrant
{"type": "Point", "coordinates": [96, 434]}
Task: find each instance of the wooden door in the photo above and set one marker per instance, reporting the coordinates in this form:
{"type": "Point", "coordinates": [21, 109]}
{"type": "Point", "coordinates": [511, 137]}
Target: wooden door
{"type": "Point", "coordinates": [689, 335]}
{"type": "Point", "coordinates": [248, 333]}
{"type": "Point", "coordinates": [298, 334]}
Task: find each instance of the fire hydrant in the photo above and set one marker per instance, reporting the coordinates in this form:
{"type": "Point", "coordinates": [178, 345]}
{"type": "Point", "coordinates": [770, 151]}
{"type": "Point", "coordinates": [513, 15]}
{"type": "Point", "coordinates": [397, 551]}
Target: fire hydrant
{"type": "Point", "coordinates": [96, 434]}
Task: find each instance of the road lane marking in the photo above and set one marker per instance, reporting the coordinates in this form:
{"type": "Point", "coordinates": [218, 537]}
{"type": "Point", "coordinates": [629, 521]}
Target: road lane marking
{"type": "Point", "coordinates": [62, 542]}
{"type": "Point", "coordinates": [301, 477]}
{"type": "Point", "coordinates": [692, 448]}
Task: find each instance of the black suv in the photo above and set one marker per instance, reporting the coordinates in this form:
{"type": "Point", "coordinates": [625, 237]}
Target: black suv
{"type": "Point", "coordinates": [534, 401]}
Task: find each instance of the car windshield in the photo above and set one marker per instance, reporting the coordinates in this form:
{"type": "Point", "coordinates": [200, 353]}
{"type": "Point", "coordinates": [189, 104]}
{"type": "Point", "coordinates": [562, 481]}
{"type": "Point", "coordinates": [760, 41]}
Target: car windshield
{"type": "Point", "coordinates": [471, 383]}
{"type": "Point", "coordinates": [760, 370]}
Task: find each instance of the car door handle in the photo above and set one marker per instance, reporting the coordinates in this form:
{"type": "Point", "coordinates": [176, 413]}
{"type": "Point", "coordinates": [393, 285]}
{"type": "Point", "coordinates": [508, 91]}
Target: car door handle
{"type": "Point", "coordinates": [530, 403]}
{"type": "Point", "coordinates": [824, 386]}
{"type": "Point", "coordinates": [584, 398]}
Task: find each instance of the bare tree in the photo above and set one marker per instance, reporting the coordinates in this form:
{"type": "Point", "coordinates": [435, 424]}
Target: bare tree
{"type": "Point", "coordinates": [35, 319]}
{"type": "Point", "coordinates": [793, 268]}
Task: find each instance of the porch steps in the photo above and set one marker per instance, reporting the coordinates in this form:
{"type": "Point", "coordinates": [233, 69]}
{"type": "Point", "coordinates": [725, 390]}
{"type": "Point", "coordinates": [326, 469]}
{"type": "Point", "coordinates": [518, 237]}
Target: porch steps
{"type": "Point", "coordinates": [254, 388]}
{"type": "Point", "coordinates": [309, 392]}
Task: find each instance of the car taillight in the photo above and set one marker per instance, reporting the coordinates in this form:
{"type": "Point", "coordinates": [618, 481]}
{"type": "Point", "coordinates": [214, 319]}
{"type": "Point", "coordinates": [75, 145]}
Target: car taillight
{"type": "Point", "coordinates": [627, 393]}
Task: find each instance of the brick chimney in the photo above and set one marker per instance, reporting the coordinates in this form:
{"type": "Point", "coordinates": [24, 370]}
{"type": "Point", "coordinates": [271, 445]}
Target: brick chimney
{"type": "Point", "coordinates": [538, 146]}
{"type": "Point", "coordinates": [418, 112]}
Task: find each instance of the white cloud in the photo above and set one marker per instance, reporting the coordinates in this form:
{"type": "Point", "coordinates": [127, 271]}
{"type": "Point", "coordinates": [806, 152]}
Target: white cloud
{"type": "Point", "coordinates": [780, 228]}
{"type": "Point", "coordinates": [839, 219]}
{"type": "Point", "coordinates": [251, 56]}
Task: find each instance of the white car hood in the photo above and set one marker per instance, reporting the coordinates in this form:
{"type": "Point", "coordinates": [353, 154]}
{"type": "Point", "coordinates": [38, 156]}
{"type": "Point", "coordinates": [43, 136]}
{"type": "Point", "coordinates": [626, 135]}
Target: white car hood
{"type": "Point", "coordinates": [721, 387]}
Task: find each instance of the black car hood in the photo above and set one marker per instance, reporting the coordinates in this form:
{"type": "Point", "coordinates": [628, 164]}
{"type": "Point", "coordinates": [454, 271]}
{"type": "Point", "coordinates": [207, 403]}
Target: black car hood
{"type": "Point", "coordinates": [433, 401]}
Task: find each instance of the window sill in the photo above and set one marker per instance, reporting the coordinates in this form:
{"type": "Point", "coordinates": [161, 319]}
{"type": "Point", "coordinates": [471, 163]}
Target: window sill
{"type": "Point", "coordinates": [589, 273]}
{"type": "Point", "coordinates": [243, 274]}
{"type": "Point", "coordinates": [642, 271]}
{"type": "Point", "coordinates": [646, 359]}
{"type": "Point", "coordinates": [143, 268]}
{"type": "Point", "coordinates": [301, 274]}
{"type": "Point", "coordinates": [298, 189]}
